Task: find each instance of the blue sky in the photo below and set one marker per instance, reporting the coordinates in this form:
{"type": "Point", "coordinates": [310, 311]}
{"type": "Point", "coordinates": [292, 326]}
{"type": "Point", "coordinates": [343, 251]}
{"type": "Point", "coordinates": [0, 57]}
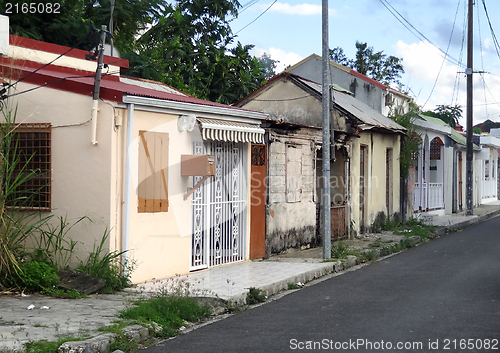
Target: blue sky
{"type": "Point", "coordinates": [290, 30]}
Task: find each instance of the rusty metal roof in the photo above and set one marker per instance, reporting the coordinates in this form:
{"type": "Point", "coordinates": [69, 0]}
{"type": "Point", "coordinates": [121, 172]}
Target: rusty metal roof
{"type": "Point", "coordinates": [371, 118]}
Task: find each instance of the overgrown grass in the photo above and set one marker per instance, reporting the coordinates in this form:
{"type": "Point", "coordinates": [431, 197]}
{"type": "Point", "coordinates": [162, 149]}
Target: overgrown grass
{"type": "Point", "coordinates": [414, 227]}
{"type": "Point", "coordinates": [48, 347]}
{"type": "Point", "coordinates": [106, 265]}
{"type": "Point", "coordinates": [165, 315]}
{"type": "Point", "coordinates": [340, 250]}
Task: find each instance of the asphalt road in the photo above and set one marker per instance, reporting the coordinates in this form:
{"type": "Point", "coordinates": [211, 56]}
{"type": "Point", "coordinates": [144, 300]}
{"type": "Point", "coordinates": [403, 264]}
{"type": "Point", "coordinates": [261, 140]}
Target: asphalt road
{"type": "Point", "coordinates": [442, 296]}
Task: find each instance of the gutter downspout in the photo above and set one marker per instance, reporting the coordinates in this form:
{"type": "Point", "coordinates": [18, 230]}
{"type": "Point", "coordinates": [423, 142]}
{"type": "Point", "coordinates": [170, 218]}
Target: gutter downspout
{"type": "Point", "coordinates": [128, 185]}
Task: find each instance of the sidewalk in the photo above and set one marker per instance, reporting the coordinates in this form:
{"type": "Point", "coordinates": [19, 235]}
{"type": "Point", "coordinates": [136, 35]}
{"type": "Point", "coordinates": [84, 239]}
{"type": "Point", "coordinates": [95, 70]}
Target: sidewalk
{"type": "Point", "coordinates": [65, 317]}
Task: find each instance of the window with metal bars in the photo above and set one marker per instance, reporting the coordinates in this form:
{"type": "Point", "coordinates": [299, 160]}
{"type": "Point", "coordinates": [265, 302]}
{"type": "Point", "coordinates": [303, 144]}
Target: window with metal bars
{"type": "Point", "coordinates": [30, 157]}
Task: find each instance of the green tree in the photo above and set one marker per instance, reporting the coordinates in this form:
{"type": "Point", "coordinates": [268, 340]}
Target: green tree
{"type": "Point", "coordinates": [376, 65]}
{"type": "Point", "coordinates": [337, 54]}
{"type": "Point", "coordinates": [268, 65]}
{"type": "Point", "coordinates": [190, 48]}
{"type": "Point", "coordinates": [447, 113]}
{"type": "Point", "coordinates": [69, 23]}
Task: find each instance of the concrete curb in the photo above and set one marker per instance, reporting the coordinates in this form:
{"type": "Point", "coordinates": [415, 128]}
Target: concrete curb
{"type": "Point", "coordinates": [276, 287]}
{"type": "Point", "coordinates": [101, 343]}
{"type": "Point", "coordinates": [464, 224]}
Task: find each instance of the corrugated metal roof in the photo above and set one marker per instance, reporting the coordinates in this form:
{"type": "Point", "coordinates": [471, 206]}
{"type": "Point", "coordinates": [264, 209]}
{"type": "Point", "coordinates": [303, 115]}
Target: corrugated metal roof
{"type": "Point", "coordinates": [455, 135]}
{"type": "Point", "coordinates": [112, 89]}
{"type": "Point", "coordinates": [360, 110]}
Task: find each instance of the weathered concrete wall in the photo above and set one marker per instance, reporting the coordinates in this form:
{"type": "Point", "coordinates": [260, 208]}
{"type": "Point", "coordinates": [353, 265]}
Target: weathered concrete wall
{"type": "Point", "coordinates": [376, 145]}
{"type": "Point", "coordinates": [280, 101]}
{"type": "Point", "coordinates": [366, 92]}
{"type": "Point", "coordinates": [291, 211]}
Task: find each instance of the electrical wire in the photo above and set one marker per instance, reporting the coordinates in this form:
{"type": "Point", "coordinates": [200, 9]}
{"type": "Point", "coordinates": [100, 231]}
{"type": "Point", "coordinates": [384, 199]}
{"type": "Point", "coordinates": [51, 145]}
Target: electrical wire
{"type": "Point", "coordinates": [482, 59]}
{"type": "Point", "coordinates": [274, 2]}
{"type": "Point", "coordinates": [495, 41]}
{"type": "Point", "coordinates": [49, 63]}
{"type": "Point", "coordinates": [444, 59]}
{"type": "Point", "coordinates": [417, 33]}
{"type": "Point", "coordinates": [55, 81]}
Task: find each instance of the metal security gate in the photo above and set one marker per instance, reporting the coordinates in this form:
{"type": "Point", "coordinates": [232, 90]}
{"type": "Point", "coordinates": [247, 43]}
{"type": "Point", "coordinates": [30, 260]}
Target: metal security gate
{"type": "Point", "coordinates": [219, 207]}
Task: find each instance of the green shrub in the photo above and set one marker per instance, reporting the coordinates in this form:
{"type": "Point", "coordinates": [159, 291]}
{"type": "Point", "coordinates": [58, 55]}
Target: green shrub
{"type": "Point", "coordinates": [35, 276]}
{"type": "Point", "coordinates": [370, 255]}
{"type": "Point", "coordinates": [379, 222]}
{"type": "Point", "coordinates": [255, 295]}
{"type": "Point", "coordinates": [340, 250]}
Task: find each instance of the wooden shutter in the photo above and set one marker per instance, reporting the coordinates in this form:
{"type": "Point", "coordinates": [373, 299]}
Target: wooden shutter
{"type": "Point", "coordinates": [153, 172]}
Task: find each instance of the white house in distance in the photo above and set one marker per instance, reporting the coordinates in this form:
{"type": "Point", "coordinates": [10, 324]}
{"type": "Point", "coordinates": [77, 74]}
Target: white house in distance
{"type": "Point", "coordinates": [486, 169]}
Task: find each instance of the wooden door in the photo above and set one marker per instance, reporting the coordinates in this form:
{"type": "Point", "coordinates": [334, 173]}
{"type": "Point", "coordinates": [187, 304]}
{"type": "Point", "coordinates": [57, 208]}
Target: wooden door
{"type": "Point", "coordinates": [258, 202]}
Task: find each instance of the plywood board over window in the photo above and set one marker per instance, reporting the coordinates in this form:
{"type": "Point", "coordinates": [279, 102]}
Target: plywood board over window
{"type": "Point", "coordinates": [153, 172]}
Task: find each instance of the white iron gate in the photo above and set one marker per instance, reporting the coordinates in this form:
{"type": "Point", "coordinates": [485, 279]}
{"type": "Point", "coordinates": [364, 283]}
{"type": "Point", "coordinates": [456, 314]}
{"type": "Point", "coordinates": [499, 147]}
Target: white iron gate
{"type": "Point", "coordinates": [219, 207]}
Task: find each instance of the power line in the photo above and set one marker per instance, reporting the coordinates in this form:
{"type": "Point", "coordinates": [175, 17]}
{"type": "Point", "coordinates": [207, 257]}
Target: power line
{"type": "Point", "coordinates": [55, 81]}
{"type": "Point", "coordinates": [495, 41]}
{"type": "Point", "coordinates": [442, 63]}
{"type": "Point", "coordinates": [274, 2]}
{"type": "Point", "coordinates": [49, 63]}
{"type": "Point", "coordinates": [418, 34]}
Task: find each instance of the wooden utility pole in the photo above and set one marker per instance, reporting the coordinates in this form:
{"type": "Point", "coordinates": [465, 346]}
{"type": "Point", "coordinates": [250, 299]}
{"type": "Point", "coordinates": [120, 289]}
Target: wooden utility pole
{"type": "Point", "coordinates": [468, 73]}
{"type": "Point", "coordinates": [325, 198]}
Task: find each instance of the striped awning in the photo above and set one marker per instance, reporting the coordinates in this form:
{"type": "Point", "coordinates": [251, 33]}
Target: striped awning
{"type": "Point", "coordinates": [221, 130]}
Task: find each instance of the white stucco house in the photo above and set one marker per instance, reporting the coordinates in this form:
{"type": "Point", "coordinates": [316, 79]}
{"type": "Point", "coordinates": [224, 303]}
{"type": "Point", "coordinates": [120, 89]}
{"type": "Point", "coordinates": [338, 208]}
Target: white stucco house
{"type": "Point", "coordinates": [128, 167]}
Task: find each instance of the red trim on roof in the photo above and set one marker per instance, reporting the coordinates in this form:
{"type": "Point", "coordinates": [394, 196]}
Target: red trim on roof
{"type": "Point", "coordinates": [8, 62]}
{"type": "Point", "coordinates": [72, 81]}
{"type": "Point", "coordinates": [59, 49]}
{"type": "Point", "coordinates": [369, 80]}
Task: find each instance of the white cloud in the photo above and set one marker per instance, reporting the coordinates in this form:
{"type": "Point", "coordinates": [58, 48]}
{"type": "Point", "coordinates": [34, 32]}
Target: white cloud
{"type": "Point", "coordinates": [285, 59]}
{"type": "Point", "coordinates": [300, 9]}
{"type": "Point", "coordinates": [423, 63]}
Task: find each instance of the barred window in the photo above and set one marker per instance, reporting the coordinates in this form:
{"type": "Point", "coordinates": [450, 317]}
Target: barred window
{"type": "Point", "coordinates": [32, 144]}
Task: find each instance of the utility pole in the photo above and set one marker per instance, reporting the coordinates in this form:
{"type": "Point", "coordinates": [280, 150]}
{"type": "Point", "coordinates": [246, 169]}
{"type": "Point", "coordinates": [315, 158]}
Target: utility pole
{"type": "Point", "coordinates": [468, 73]}
{"type": "Point", "coordinates": [325, 198]}
{"type": "Point", "coordinates": [97, 85]}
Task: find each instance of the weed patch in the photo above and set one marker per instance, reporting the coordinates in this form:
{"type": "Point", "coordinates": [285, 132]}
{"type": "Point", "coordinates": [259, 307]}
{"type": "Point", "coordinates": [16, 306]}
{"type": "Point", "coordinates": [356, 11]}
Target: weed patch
{"type": "Point", "coordinates": [370, 255]}
{"type": "Point", "coordinates": [340, 250]}
{"type": "Point", "coordinates": [165, 315]}
{"type": "Point", "coordinates": [255, 296]}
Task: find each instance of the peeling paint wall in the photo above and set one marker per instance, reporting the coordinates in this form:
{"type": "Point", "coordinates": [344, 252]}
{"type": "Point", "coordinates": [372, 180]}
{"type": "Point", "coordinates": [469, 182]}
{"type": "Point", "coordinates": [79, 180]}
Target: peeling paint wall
{"type": "Point", "coordinates": [291, 209]}
{"type": "Point", "coordinates": [376, 145]}
{"type": "Point", "coordinates": [368, 93]}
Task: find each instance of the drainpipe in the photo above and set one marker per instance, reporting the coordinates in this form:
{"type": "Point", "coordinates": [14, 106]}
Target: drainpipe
{"type": "Point", "coordinates": [128, 185]}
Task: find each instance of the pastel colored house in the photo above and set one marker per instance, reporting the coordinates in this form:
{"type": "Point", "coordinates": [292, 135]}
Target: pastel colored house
{"type": "Point", "coordinates": [438, 175]}
{"type": "Point", "coordinates": [487, 169]}
{"type": "Point", "coordinates": [364, 165]}
{"type": "Point", "coordinates": [133, 168]}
